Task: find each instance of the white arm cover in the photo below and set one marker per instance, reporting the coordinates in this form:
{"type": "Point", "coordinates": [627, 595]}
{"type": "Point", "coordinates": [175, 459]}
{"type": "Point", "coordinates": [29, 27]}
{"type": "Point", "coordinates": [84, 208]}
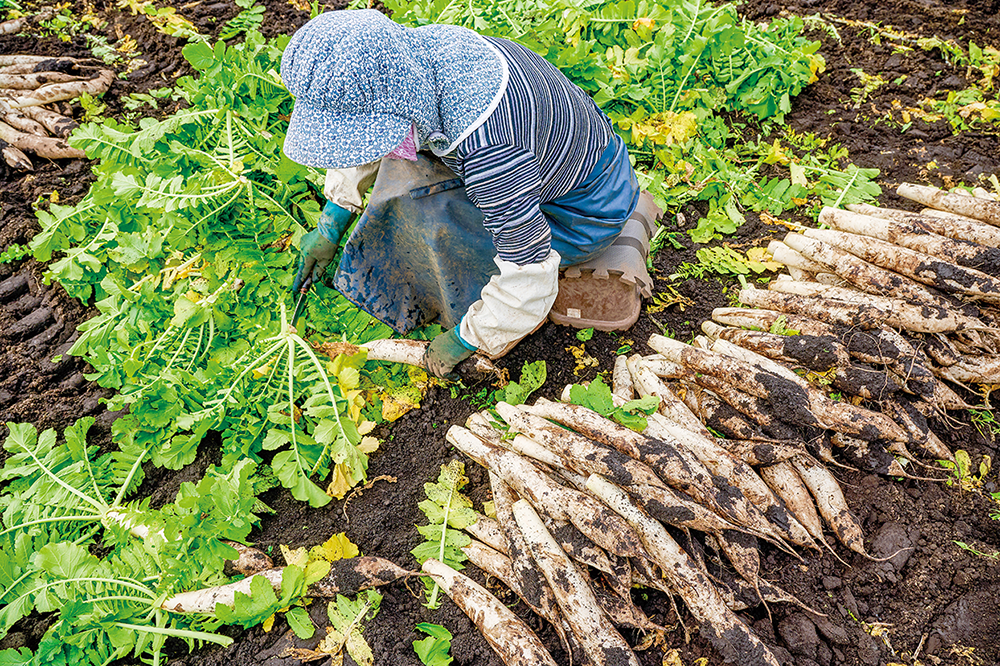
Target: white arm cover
{"type": "Point", "coordinates": [347, 187]}
{"type": "Point", "coordinates": [512, 305]}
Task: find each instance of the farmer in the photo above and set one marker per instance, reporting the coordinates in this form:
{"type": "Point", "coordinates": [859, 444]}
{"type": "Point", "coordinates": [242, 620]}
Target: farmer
{"type": "Point", "coordinates": [543, 181]}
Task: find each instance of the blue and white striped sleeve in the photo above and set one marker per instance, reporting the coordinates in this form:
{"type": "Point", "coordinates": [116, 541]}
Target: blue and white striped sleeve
{"type": "Point", "coordinates": [503, 182]}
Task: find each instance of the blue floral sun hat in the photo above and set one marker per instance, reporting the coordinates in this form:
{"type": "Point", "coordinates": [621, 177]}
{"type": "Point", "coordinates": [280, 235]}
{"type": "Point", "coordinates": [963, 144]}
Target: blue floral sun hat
{"type": "Point", "coordinates": [361, 81]}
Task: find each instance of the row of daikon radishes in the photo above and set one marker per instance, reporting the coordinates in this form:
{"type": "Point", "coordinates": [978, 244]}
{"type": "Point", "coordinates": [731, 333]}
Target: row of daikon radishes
{"type": "Point", "coordinates": [30, 87]}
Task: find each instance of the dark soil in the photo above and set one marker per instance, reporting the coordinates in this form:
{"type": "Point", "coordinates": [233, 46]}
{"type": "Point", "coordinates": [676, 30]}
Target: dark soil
{"type": "Point", "coordinates": [929, 597]}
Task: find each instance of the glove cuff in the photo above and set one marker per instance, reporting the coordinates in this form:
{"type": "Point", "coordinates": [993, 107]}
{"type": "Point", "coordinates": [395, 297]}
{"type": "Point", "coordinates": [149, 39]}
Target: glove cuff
{"type": "Point", "coordinates": [334, 222]}
{"type": "Point", "coordinates": [456, 331]}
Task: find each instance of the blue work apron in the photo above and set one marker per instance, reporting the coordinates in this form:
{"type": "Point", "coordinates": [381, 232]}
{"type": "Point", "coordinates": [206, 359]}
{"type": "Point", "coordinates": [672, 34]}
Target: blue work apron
{"type": "Point", "coordinates": [420, 253]}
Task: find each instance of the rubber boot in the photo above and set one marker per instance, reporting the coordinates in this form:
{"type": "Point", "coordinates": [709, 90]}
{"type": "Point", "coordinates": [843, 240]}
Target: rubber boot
{"type": "Point", "coordinates": [606, 292]}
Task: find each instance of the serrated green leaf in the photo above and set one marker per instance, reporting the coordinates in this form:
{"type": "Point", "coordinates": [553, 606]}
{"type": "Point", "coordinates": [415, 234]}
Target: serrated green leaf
{"type": "Point", "coordinates": [292, 476]}
{"type": "Point", "coordinates": [199, 54]}
{"type": "Point", "coordinates": [596, 396]}
{"type": "Point", "coordinates": [16, 657]}
{"type": "Point", "coordinates": [646, 404]}
{"type": "Point", "coordinates": [252, 609]}
{"type": "Point", "coordinates": [300, 622]}
{"type": "Point", "coordinates": [532, 378]}
{"type": "Point", "coordinates": [433, 651]}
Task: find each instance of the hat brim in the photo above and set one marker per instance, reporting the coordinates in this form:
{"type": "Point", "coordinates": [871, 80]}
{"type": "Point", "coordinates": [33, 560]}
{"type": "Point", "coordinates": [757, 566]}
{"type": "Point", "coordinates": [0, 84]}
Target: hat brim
{"type": "Point", "coordinates": [329, 140]}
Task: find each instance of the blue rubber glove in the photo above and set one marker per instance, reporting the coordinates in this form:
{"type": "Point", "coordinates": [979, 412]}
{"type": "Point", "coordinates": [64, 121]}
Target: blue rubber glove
{"type": "Point", "coordinates": [445, 352]}
{"type": "Point", "coordinates": [319, 246]}
{"type": "Point", "coordinates": [333, 222]}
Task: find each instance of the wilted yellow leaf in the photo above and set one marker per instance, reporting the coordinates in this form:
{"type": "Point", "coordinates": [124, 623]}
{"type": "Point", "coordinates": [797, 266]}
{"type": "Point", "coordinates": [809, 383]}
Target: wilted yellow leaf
{"type": "Point", "coordinates": [298, 557]}
{"type": "Point", "coordinates": [798, 174]}
{"type": "Point", "coordinates": [346, 634]}
{"type": "Point", "coordinates": [418, 377]}
{"type": "Point", "coordinates": [490, 509]}
{"type": "Point", "coordinates": [767, 218]}
{"type": "Point", "coordinates": [340, 483]}
{"type": "Point", "coordinates": [337, 547]}
{"type": "Point", "coordinates": [355, 401]}
{"type": "Point", "coordinates": [583, 359]}
{"type": "Point", "coordinates": [332, 647]}
{"type": "Point", "coordinates": [822, 378]}
{"type": "Point", "coordinates": [306, 655]}
{"type": "Point", "coordinates": [672, 658]}
{"type": "Point", "coordinates": [267, 624]}
{"type": "Point", "coordinates": [126, 44]}
{"type": "Point", "coordinates": [664, 299]}
{"type": "Point", "coordinates": [652, 638]}
{"type": "Point", "coordinates": [879, 629]}
{"type": "Point", "coordinates": [349, 378]}
{"type": "Point", "coordinates": [359, 649]}
{"type": "Point", "coordinates": [817, 65]}
{"type": "Point", "coordinates": [643, 22]}
{"type": "Point", "coordinates": [986, 111]}
{"type": "Point", "coordinates": [776, 154]}
{"type": "Point", "coordinates": [762, 256]}
{"type": "Point", "coordinates": [333, 643]}
{"type": "Point", "coordinates": [399, 400]}
{"type": "Point", "coordinates": [663, 128]}
{"type": "Point", "coordinates": [368, 444]}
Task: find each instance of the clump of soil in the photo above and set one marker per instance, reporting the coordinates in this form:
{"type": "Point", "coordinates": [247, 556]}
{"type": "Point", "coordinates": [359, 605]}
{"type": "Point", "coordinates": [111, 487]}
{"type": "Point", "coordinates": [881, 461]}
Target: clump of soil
{"type": "Point", "coordinates": [927, 599]}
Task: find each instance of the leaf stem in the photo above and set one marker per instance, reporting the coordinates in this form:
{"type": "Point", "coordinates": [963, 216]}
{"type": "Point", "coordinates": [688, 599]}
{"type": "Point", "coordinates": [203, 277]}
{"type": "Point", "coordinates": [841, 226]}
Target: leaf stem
{"type": "Point", "coordinates": [56, 519]}
{"type": "Point", "coordinates": [180, 633]}
{"type": "Point", "coordinates": [680, 88]}
{"type": "Point", "coordinates": [128, 479]}
{"type": "Point", "coordinates": [850, 184]}
{"type": "Point", "coordinates": [96, 503]}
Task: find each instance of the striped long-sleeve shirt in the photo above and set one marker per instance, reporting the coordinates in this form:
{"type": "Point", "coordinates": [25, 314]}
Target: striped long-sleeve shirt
{"type": "Point", "coordinates": [543, 139]}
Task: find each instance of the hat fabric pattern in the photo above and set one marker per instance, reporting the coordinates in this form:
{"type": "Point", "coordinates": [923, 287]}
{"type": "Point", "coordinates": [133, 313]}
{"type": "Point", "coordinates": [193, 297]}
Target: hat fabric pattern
{"type": "Point", "coordinates": [360, 81]}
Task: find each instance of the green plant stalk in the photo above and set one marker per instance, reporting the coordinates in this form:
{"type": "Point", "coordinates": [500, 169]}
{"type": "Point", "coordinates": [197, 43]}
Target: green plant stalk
{"type": "Point", "coordinates": [219, 639]}
{"type": "Point", "coordinates": [122, 582]}
{"type": "Point", "coordinates": [329, 391]}
{"type": "Point", "coordinates": [694, 20]}
{"type": "Point", "coordinates": [87, 517]}
{"type": "Point", "coordinates": [847, 188]}
{"type": "Point", "coordinates": [432, 602]}
{"type": "Point", "coordinates": [680, 89]}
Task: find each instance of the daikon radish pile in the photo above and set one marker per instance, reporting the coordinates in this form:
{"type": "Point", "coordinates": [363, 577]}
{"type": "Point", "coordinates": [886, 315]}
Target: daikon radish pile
{"type": "Point", "coordinates": [908, 324]}
{"type": "Point", "coordinates": [584, 504]}
{"type": "Point", "coordinates": [581, 507]}
{"type": "Point", "coordinates": [27, 85]}
{"type": "Point", "coordinates": [916, 299]}
{"type": "Point", "coordinates": [884, 321]}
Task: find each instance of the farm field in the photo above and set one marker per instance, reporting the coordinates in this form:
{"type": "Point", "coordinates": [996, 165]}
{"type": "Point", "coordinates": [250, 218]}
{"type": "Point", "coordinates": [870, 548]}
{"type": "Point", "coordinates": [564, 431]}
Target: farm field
{"type": "Point", "coordinates": [898, 91]}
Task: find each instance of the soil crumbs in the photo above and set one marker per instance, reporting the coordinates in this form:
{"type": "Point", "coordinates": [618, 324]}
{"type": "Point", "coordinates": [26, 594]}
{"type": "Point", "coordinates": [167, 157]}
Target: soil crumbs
{"type": "Point", "coordinates": [923, 600]}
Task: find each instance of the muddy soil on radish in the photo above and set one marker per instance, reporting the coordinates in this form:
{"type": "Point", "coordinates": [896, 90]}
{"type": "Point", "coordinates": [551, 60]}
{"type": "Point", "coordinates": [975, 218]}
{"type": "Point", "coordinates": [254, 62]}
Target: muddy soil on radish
{"type": "Point", "coordinates": [930, 600]}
